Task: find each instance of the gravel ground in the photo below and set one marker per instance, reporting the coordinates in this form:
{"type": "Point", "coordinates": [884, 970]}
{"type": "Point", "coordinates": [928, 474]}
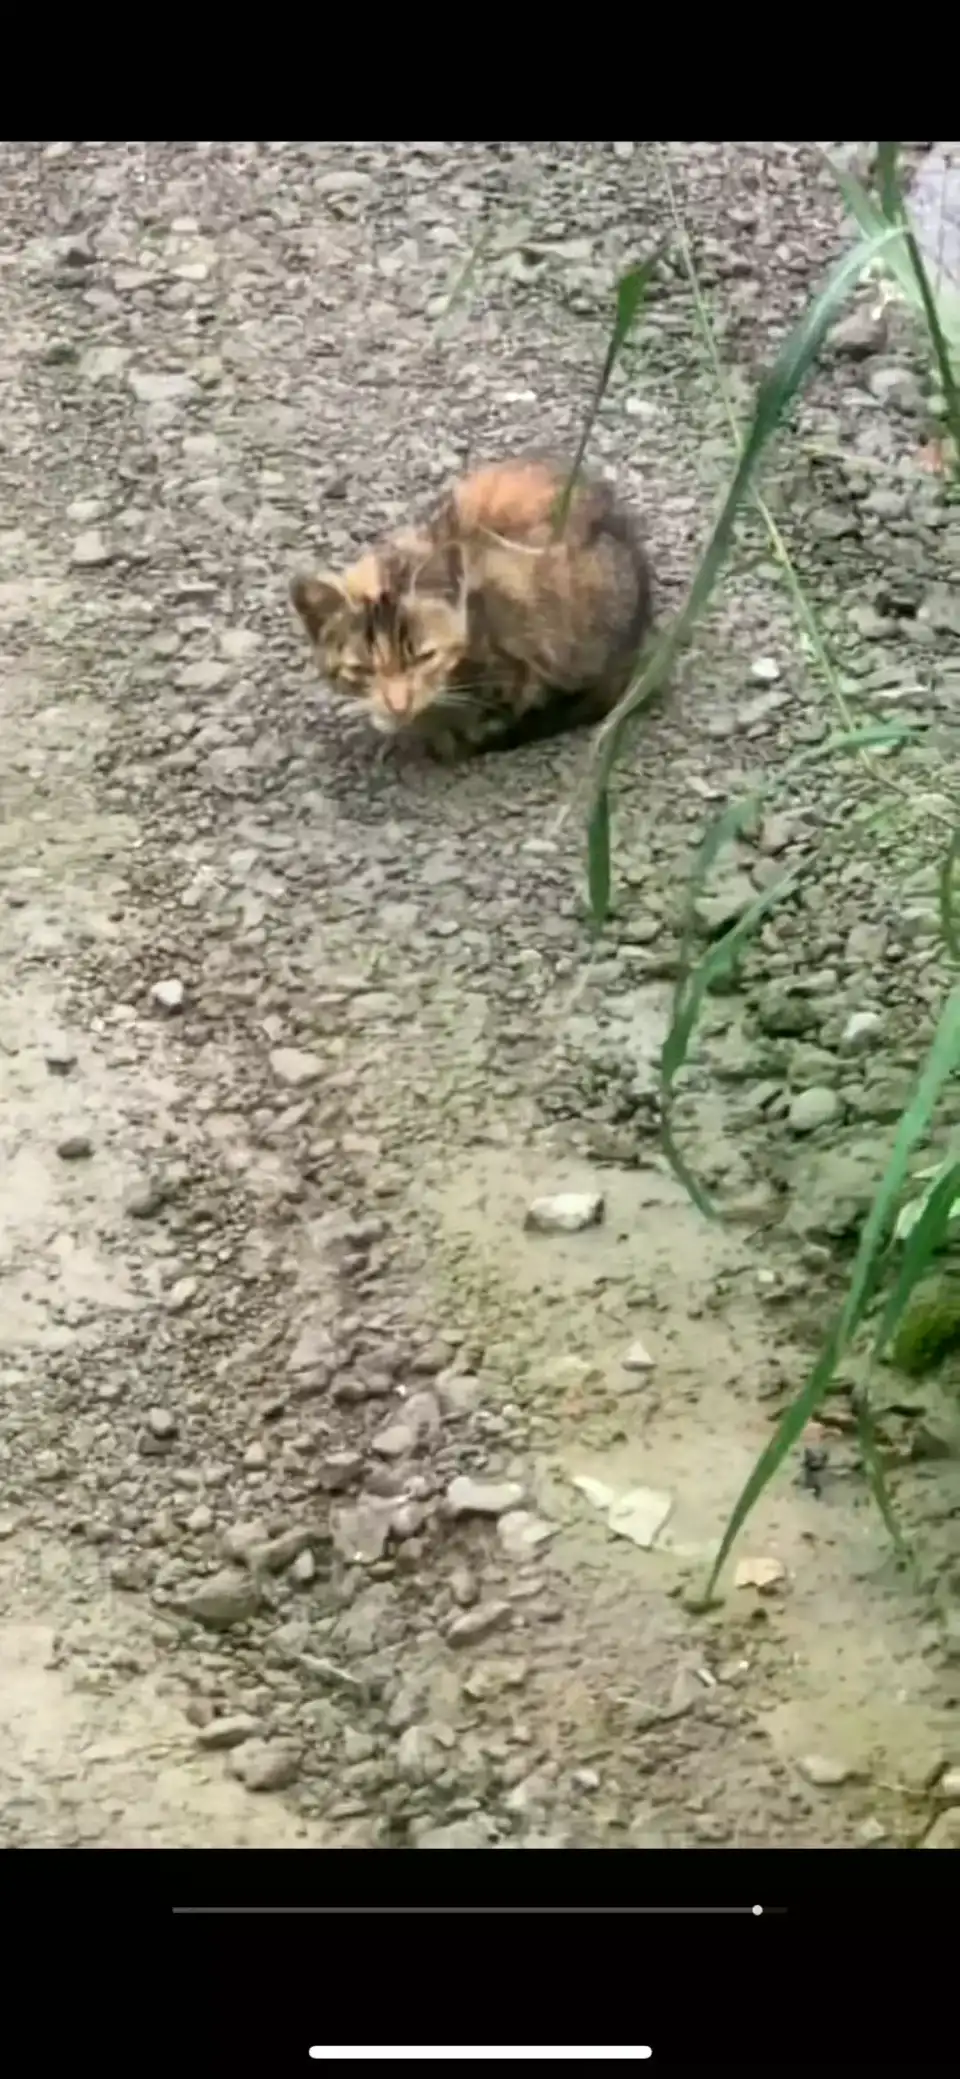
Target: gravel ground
{"type": "Point", "coordinates": [328, 1486]}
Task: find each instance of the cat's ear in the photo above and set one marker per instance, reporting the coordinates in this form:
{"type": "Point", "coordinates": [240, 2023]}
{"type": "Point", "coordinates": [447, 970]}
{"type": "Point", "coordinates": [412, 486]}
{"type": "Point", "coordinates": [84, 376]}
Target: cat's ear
{"type": "Point", "coordinates": [317, 599]}
{"type": "Point", "coordinates": [441, 574]}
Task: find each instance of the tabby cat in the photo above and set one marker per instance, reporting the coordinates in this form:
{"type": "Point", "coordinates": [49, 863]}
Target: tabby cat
{"type": "Point", "coordinates": [497, 620]}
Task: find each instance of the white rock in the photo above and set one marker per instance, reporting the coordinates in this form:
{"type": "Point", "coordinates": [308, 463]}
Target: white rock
{"type": "Point", "coordinates": [168, 995]}
{"type": "Point", "coordinates": [466, 1497]}
{"type": "Point", "coordinates": [521, 1534]}
{"type": "Point", "coordinates": [860, 1030]}
{"type": "Point", "coordinates": [766, 669]}
{"type": "Point", "coordinates": [90, 550]}
{"type": "Point", "coordinates": [567, 1212]}
{"type": "Point", "coordinates": [758, 1573]}
{"type": "Point", "coordinates": [291, 1065]}
{"type": "Point", "coordinates": [159, 389]}
{"type": "Point", "coordinates": [638, 1358]}
{"type": "Point", "coordinates": [640, 1515]}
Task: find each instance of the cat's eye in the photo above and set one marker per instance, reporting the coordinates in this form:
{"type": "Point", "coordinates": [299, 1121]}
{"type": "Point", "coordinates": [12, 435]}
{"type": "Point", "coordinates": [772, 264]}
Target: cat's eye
{"type": "Point", "coordinates": [427, 656]}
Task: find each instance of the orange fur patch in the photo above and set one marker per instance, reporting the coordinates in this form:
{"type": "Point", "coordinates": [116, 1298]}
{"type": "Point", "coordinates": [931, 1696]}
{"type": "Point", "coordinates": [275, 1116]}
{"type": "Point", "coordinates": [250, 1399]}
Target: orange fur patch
{"type": "Point", "coordinates": [507, 497]}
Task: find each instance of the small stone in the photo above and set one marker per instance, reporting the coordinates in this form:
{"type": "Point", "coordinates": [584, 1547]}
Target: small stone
{"type": "Point", "coordinates": [223, 1733]}
{"type": "Point", "coordinates": [360, 1533]}
{"type": "Point", "coordinates": [812, 1109]}
{"type": "Point", "coordinates": [418, 1756]}
{"type": "Point", "coordinates": [99, 363]}
{"type": "Point", "coordinates": [637, 1358]}
{"type": "Point", "coordinates": [395, 1440]}
{"type": "Point", "coordinates": [715, 913]}
{"type": "Point", "coordinates": [304, 1568]}
{"type": "Point", "coordinates": [948, 1787]}
{"type": "Point", "coordinates": [896, 386]}
{"type": "Point", "coordinates": [825, 1771]}
{"type": "Point", "coordinates": [567, 1212]}
{"type": "Point", "coordinates": [478, 1623]}
{"type": "Point", "coordinates": [90, 550]}
{"type": "Point", "coordinates": [339, 1470]}
{"type": "Point", "coordinates": [460, 1833]}
{"type": "Point", "coordinates": [227, 1598]}
{"type": "Point", "coordinates": [861, 1031]}
{"type": "Point", "coordinates": [75, 1147]}
{"type": "Point", "coordinates": [160, 389]}
{"type": "Point", "coordinates": [766, 670]}
{"type": "Point", "coordinates": [762, 1574]}
{"type": "Point", "coordinates": [255, 1458]}
{"type": "Point", "coordinates": [863, 332]}
{"type": "Point", "coordinates": [147, 1199]}
{"type": "Point", "coordinates": [168, 995]}
{"type": "Point", "coordinates": [521, 1534]}
{"type": "Point", "coordinates": [640, 1515]}
{"type": "Point", "coordinates": [467, 1497]}
{"type": "Point", "coordinates": [276, 1554]}
{"type": "Point", "coordinates": [60, 1058]}
{"type": "Point", "coordinates": [264, 1766]}
{"type": "Point", "coordinates": [181, 1293]}
{"type": "Point", "coordinates": [161, 1424]}
{"type": "Point", "coordinates": [290, 1065]}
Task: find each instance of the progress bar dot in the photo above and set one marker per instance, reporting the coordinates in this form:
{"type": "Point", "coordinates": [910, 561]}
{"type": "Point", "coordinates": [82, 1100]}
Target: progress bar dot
{"type": "Point", "coordinates": [756, 1910]}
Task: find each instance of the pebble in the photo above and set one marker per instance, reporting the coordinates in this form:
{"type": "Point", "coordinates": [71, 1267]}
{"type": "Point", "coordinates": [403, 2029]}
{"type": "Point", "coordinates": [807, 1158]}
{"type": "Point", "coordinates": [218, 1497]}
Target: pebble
{"type": "Point", "coordinates": [168, 995]}
{"type": "Point", "coordinates": [478, 1623]}
{"type": "Point", "coordinates": [395, 1440]}
{"type": "Point", "coordinates": [161, 1423]}
{"type": "Point", "coordinates": [360, 1533]}
{"type": "Point", "coordinates": [637, 1358]}
{"type": "Point", "coordinates": [567, 1212]}
{"type": "Point", "coordinates": [460, 1833]}
{"type": "Point", "coordinates": [181, 1293]}
{"type": "Point", "coordinates": [521, 1534]}
{"type": "Point", "coordinates": [90, 550]}
{"type": "Point", "coordinates": [863, 332]}
{"type": "Point", "coordinates": [825, 1771]}
{"type": "Point", "coordinates": [812, 1109]}
{"type": "Point", "coordinates": [263, 1765]}
{"type": "Point", "coordinates": [159, 389]}
{"type": "Point", "coordinates": [948, 1788]}
{"type": "Point", "coordinates": [758, 1573]}
{"type": "Point", "coordinates": [467, 1497]}
{"type": "Point", "coordinates": [226, 1598]}
{"type": "Point", "coordinates": [766, 670]}
{"type": "Point", "coordinates": [291, 1065]}
{"type": "Point", "coordinates": [75, 1147]}
{"type": "Point", "coordinates": [714, 914]}
{"type": "Point", "coordinates": [639, 1513]}
{"type": "Point", "coordinates": [860, 1031]}
{"type": "Point", "coordinates": [223, 1733]}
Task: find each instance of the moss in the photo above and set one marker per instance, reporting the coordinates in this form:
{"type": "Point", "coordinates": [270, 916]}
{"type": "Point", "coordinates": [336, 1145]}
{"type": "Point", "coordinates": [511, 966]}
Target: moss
{"type": "Point", "coordinates": [930, 1328]}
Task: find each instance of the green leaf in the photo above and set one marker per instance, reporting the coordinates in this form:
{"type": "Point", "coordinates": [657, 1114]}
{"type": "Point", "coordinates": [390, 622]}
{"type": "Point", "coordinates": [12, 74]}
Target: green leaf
{"type": "Point", "coordinates": [925, 1237]}
{"type": "Point", "coordinates": [774, 399]}
{"type": "Point", "coordinates": [598, 860]}
{"type": "Point", "coordinates": [942, 1059]}
{"type": "Point", "coordinates": [948, 915]}
{"type": "Point", "coordinates": [631, 292]}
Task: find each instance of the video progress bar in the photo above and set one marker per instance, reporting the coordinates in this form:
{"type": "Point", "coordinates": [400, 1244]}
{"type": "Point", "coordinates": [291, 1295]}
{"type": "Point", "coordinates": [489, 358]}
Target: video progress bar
{"type": "Point", "coordinates": [751, 1912]}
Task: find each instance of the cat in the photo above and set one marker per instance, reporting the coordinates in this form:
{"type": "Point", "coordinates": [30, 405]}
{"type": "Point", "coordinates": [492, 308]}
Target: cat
{"type": "Point", "coordinates": [497, 620]}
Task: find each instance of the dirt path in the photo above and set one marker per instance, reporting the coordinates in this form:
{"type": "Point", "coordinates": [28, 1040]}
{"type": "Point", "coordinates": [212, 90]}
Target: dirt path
{"type": "Point", "coordinates": [289, 1039]}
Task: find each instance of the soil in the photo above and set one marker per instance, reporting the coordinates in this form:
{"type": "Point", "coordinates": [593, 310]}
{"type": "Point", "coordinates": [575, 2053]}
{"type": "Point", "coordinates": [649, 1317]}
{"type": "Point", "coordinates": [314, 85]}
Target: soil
{"type": "Point", "coordinates": [293, 1034]}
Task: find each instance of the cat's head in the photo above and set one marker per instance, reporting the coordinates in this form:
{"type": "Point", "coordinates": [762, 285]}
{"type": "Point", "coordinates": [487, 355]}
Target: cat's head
{"type": "Point", "coordinates": [393, 630]}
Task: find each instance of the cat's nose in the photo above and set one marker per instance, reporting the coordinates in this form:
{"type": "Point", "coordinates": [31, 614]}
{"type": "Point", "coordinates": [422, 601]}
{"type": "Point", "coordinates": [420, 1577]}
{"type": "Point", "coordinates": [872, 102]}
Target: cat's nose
{"type": "Point", "coordinates": [395, 694]}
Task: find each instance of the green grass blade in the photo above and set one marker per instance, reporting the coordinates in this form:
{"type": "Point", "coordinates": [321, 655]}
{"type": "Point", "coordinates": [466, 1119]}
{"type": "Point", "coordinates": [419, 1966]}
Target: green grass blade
{"type": "Point", "coordinates": [631, 292]}
{"type": "Point", "coordinates": [948, 912]}
{"type": "Point", "coordinates": [598, 859]}
{"type": "Point", "coordinates": [923, 1241]}
{"type": "Point", "coordinates": [889, 180]}
{"type": "Point", "coordinates": [942, 1059]}
{"type": "Point", "coordinates": [867, 1436]}
{"type": "Point", "coordinates": [774, 399]}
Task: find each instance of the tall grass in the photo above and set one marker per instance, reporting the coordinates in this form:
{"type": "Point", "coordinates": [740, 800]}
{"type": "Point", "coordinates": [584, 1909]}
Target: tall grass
{"type": "Point", "coordinates": [887, 245]}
